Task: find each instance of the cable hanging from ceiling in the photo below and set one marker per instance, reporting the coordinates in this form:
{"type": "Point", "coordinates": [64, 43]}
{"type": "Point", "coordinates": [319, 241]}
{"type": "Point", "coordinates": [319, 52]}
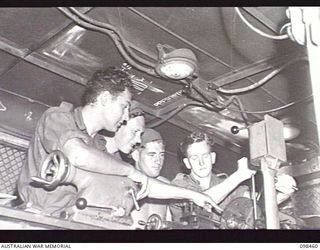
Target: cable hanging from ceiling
{"type": "Point", "coordinates": [113, 29]}
{"type": "Point", "coordinates": [288, 105]}
{"type": "Point", "coordinates": [207, 105]}
{"type": "Point", "coordinates": [231, 100]}
{"type": "Point", "coordinates": [172, 113]}
{"type": "Point", "coordinates": [260, 32]}
{"type": "Point", "coordinates": [124, 49]}
{"type": "Point", "coordinates": [262, 81]}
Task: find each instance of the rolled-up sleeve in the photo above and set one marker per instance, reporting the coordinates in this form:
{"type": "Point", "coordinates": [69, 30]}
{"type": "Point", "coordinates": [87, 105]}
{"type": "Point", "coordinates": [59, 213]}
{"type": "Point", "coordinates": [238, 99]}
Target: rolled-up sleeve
{"type": "Point", "coordinates": [57, 129]}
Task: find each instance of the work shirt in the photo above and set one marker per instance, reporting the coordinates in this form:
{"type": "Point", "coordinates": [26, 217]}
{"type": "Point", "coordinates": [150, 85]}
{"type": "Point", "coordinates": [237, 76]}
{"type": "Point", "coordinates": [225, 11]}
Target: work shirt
{"type": "Point", "coordinates": [56, 126]}
{"type": "Point", "coordinates": [188, 182]}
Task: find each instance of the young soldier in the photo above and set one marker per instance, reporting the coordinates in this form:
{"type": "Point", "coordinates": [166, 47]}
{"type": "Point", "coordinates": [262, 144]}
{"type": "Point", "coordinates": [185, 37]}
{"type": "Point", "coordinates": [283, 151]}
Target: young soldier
{"type": "Point", "coordinates": [199, 159]}
{"type": "Point", "coordinates": [149, 158]}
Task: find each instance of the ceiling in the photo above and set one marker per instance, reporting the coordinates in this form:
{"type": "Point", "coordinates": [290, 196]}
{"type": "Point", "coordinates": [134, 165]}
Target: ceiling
{"type": "Point", "coordinates": [45, 59]}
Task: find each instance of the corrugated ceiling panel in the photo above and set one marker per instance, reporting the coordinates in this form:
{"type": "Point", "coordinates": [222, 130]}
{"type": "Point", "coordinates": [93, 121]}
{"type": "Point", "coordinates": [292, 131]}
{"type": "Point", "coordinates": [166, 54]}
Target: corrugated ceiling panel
{"type": "Point", "coordinates": [6, 61]}
{"type": "Point", "coordinates": [41, 85]}
{"type": "Point", "coordinates": [28, 27]}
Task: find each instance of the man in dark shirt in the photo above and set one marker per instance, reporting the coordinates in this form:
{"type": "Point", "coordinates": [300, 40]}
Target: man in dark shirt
{"type": "Point", "coordinates": [74, 131]}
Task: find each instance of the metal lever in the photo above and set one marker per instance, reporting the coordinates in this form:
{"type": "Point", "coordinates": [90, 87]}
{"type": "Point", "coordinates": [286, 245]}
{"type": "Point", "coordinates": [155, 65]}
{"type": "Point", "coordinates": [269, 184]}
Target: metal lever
{"type": "Point", "coordinates": [254, 199]}
{"type": "Point", "coordinates": [133, 195]}
{"type": "Point", "coordinates": [235, 129]}
{"type": "Point", "coordinates": [82, 203]}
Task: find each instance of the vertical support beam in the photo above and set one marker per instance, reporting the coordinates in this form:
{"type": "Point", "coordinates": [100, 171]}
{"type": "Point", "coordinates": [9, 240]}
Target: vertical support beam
{"type": "Point", "coordinates": [311, 18]}
{"type": "Point", "coordinates": [268, 168]}
{"type": "Point", "coordinates": [305, 30]}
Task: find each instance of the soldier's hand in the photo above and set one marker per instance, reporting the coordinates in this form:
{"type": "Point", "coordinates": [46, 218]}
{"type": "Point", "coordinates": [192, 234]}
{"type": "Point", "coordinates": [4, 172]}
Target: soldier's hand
{"type": "Point", "coordinates": [243, 171]}
{"type": "Point", "coordinates": [142, 179]}
{"type": "Point", "coordinates": [204, 200]}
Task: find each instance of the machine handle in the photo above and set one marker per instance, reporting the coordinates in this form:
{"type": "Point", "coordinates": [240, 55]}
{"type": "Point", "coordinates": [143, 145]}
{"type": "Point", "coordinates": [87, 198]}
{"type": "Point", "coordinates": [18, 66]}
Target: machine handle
{"type": "Point", "coordinates": [133, 195]}
{"type": "Point", "coordinates": [53, 171]}
{"type": "Point", "coordinates": [82, 203]}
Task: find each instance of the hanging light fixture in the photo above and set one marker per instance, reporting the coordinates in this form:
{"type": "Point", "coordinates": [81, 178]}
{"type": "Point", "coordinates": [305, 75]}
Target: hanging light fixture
{"type": "Point", "coordinates": [176, 64]}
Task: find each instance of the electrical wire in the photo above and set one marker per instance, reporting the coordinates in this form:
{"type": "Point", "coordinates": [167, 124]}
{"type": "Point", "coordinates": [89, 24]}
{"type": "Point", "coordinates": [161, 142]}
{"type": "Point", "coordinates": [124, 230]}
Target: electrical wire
{"type": "Point", "coordinates": [260, 82]}
{"type": "Point", "coordinates": [212, 103]}
{"type": "Point", "coordinates": [113, 29]}
{"type": "Point", "coordinates": [275, 109]}
{"type": "Point", "coordinates": [114, 39]}
{"type": "Point", "coordinates": [174, 112]}
{"type": "Point", "coordinates": [209, 102]}
{"type": "Point", "coordinates": [286, 26]}
{"type": "Point", "coordinates": [279, 37]}
{"type": "Point", "coordinates": [216, 105]}
{"type": "Point", "coordinates": [241, 108]}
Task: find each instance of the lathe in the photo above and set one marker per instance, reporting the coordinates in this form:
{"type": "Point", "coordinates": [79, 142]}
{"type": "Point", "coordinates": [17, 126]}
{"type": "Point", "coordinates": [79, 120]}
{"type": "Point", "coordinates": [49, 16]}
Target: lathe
{"type": "Point", "coordinates": [100, 198]}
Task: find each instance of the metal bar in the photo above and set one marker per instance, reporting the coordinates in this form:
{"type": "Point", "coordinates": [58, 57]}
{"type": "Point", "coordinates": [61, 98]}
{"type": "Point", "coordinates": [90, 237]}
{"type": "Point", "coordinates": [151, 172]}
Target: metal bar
{"type": "Point", "coordinates": [14, 140]}
{"type": "Point", "coordinates": [178, 37]}
{"type": "Point", "coordinates": [12, 48]}
{"type": "Point", "coordinates": [24, 97]}
{"type": "Point", "coordinates": [250, 70]}
{"type": "Point", "coordinates": [270, 196]}
{"type": "Point", "coordinates": [37, 60]}
{"type": "Point", "coordinates": [262, 19]}
{"type": "Point", "coordinates": [254, 199]}
{"type": "Point", "coordinates": [311, 16]}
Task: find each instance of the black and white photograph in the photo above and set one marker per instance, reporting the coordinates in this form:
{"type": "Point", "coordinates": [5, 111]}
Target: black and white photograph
{"type": "Point", "coordinates": [160, 118]}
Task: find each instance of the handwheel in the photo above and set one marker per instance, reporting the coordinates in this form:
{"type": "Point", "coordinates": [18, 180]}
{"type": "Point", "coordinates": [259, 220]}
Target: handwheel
{"type": "Point", "coordinates": [154, 222]}
{"type": "Point", "coordinates": [54, 169]}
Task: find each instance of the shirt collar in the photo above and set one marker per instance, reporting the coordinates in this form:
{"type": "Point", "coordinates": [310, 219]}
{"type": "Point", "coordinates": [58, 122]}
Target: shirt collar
{"type": "Point", "coordinates": [212, 180]}
{"type": "Point", "coordinates": [79, 119]}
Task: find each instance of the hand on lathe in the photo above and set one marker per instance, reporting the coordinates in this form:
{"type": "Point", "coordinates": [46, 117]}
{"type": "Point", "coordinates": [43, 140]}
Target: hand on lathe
{"type": "Point", "coordinates": [204, 200]}
{"type": "Point", "coordinates": [142, 179]}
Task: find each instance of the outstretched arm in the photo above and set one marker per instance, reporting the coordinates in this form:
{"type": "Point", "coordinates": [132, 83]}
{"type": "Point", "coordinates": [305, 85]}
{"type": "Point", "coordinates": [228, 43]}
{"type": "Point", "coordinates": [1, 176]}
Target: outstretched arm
{"type": "Point", "coordinates": [161, 190]}
{"type": "Point", "coordinates": [58, 131]}
{"type": "Point", "coordinates": [90, 159]}
{"type": "Point", "coordinates": [219, 192]}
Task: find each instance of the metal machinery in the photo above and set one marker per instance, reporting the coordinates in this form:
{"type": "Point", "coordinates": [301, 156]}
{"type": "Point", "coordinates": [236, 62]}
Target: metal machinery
{"type": "Point", "coordinates": [267, 153]}
{"type": "Point", "coordinates": [112, 211]}
{"type": "Point", "coordinates": [92, 205]}
{"type": "Point", "coordinates": [239, 214]}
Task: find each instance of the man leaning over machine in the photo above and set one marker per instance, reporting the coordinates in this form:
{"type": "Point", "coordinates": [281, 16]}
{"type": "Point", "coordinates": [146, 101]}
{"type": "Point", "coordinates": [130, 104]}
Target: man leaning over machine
{"type": "Point", "coordinates": [74, 132]}
{"type": "Point", "coordinates": [148, 155]}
